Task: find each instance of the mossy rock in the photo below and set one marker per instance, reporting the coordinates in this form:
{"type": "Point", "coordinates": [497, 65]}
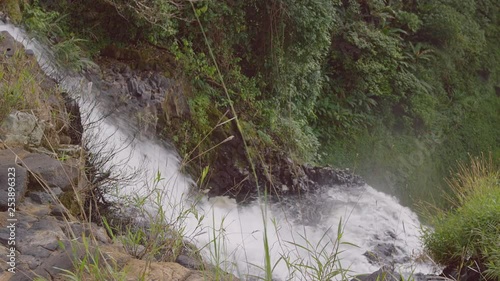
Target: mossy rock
{"type": "Point", "coordinates": [68, 199]}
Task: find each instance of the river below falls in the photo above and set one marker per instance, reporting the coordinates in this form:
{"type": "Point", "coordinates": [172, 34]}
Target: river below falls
{"type": "Point", "coordinates": [300, 229]}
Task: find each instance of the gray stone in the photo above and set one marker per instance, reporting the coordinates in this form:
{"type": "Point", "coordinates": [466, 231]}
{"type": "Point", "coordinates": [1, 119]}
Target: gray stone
{"type": "Point", "coordinates": [190, 262]}
{"type": "Point", "coordinates": [27, 218]}
{"type": "Point", "coordinates": [4, 236]}
{"type": "Point", "coordinates": [49, 225]}
{"type": "Point", "coordinates": [133, 86]}
{"type": "Point", "coordinates": [30, 261]}
{"type": "Point", "coordinates": [58, 211]}
{"type": "Point", "coordinates": [38, 252]}
{"type": "Point", "coordinates": [22, 228]}
{"type": "Point", "coordinates": [41, 197]}
{"type": "Point", "coordinates": [139, 89]}
{"type": "Point", "coordinates": [22, 128]}
{"type": "Point", "coordinates": [126, 71]}
{"type": "Point", "coordinates": [385, 273]}
{"type": "Point", "coordinates": [55, 263]}
{"type": "Point", "coordinates": [175, 104]}
{"type": "Point", "coordinates": [160, 82]}
{"type": "Point", "coordinates": [18, 177]}
{"type": "Point", "coordinates": [145, 95]}
{"type": "Point", "coordinates": [41, 212]}
{"type": "Point", "coordinates": [75, 230]}
{"type": "Point", "coordinates": [56, 191]}
{"type": "Point", "coordinates": [8, 45]}
{"type": "Point", "coordinates": [427, 277]}
{"type": "Point", "coordinates": [99, 233]}
{"type": "Point", "coordinates": [10, 52]}
{"type": "Point", "coordinates": [29, 52]}
{"type": "Point", "coordinates": [383, 253]}
{"type": "Point", "coordinates": [52, 246]}
{"type": "Point", "coordinates": [13, 155]}
{"type": "Point", "coordinates": [50, 171]}
{"type": "Point", "coordinates": [3, 253]}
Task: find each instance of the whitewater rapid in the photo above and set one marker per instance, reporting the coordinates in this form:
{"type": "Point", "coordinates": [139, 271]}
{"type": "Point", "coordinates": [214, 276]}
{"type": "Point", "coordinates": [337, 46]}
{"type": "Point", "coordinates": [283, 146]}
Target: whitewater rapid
{"type": "Point", "coordinates": [296, 226]}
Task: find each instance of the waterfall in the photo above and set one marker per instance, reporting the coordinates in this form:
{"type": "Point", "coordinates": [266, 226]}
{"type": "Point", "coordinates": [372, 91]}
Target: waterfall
{"type": "Point", "coordinates": [297, 227]}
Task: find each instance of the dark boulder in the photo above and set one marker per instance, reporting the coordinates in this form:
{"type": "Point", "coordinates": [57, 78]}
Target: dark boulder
{"type": "Point", "coordinates": [330, 176]}
{"type": "Point", "coordinates": [382, 253]}
{"type": "Point", "coordinates": [465, 272]}
{"type": "Point", "coordinates": [44, 169]}
{"type": "Point", "coordinates": [385, 273]}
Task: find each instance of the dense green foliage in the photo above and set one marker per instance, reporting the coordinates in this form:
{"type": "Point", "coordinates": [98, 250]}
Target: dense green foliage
{"type": "Point", "coordinates": [411, 91]}
{"type": "Point", "coordinates": [469, 235]}
{"type": "Point", "coordinates": [398, 90]}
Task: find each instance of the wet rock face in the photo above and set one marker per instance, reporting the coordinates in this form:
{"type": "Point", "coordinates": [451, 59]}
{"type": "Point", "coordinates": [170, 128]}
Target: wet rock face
{"type": "Point", "coordinates": [331, 176]}
{"type": "Point", "coordinates": [148, 99]}
{"type": "Point", "coordinates": [385, 253]}
{"type": "Point", "coordinates": [283, 178]}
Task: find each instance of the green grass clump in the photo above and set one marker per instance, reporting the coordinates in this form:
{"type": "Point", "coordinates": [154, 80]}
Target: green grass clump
{"type": "Point", "coordinates": [20, 86]}
{"type": "Point", "coordinates": [13, 9]}
{"type": "Point", "coordinates": [469, 234]}
{"type": "Point", "coordinates": [52, 28]}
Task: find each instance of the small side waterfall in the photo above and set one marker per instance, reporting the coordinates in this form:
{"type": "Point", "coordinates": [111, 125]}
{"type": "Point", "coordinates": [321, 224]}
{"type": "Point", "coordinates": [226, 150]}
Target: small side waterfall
{"type": "Point", "coordinates": [382, 230]}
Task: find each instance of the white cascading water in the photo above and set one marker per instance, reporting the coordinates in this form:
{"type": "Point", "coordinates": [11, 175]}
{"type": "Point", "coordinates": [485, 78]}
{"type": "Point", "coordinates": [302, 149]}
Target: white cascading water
{"type": "Point", "coordinates": [369, 219]}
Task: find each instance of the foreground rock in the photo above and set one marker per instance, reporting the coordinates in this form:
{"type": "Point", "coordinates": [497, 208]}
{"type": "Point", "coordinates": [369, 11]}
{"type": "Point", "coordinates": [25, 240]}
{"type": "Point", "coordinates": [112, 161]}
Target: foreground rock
{"type": "Point", "coordinates": [47, 171]}
{"type": "Point", "coordinates": [41, 237]}
{"type": "Point", "coordinates": [46, 245]}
